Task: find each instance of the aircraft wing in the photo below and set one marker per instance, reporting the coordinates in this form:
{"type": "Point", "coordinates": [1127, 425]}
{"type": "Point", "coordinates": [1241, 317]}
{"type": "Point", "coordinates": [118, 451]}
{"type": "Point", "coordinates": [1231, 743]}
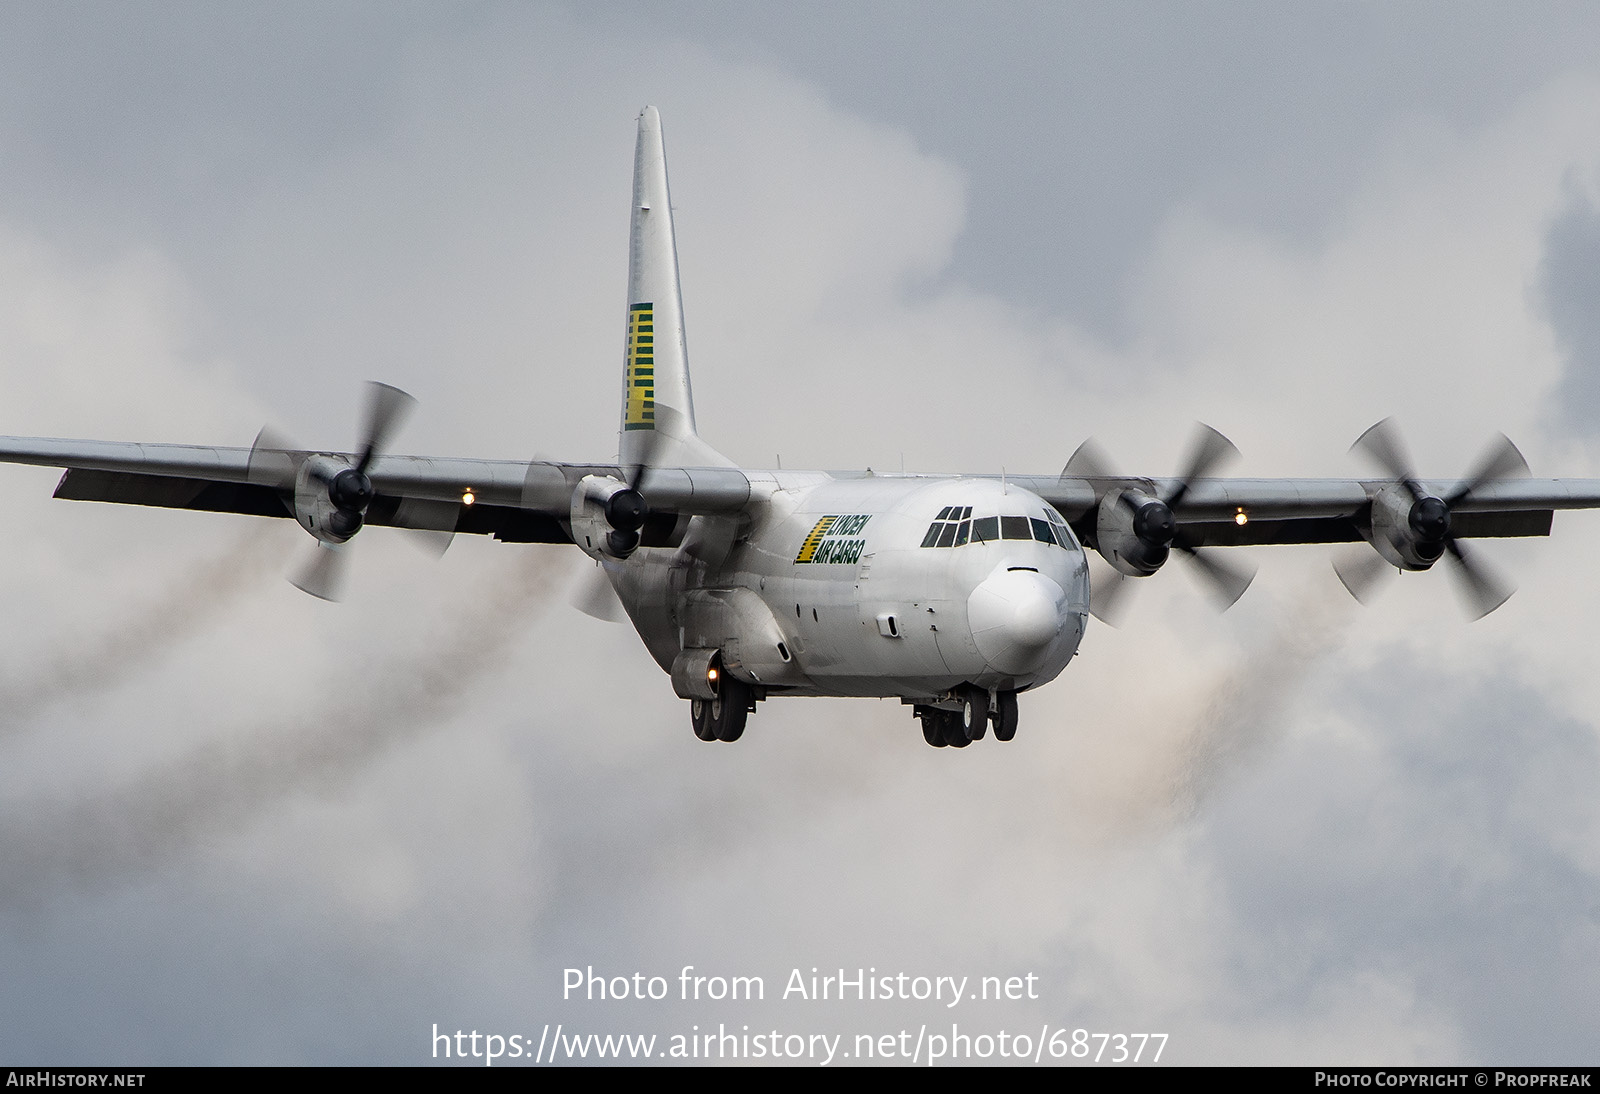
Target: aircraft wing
{"type": "Point", "coordinates": [528, 501]}
{"type": "Point", "coordinates": [1320, 510]}
{"type": "Point", "coordinates": [512, 500]}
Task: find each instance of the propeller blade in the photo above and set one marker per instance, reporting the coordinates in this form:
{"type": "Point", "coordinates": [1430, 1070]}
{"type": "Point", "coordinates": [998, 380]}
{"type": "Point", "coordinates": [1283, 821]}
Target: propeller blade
{"type": "Point", "coordinates": [1107, 588]}
{"type": "Point", "coordinates": [429, 524]}
{"type": "Point", "coordinates": [1501, 460]}
{"type": "Point", "coordinates": [1088, 462]}
{"type": "Point", "coordinates": [1361, 570]}
{"type": "Point", "coordinates": [1207, 452]}
{"type": "Point", "coordinates": [387, 407]}
{"type": "Point", "coordinates": [594, 596]}
{"type": "Point", "coordinates": [1225, 581]}
{"type": "Point", "coordinates": [323, 574]}
{"type": "Point", "coordinates": [1382, 445]}
{"type": "Point", "coordinates": [433, 542]}
{"type": "Point", "coordinates": [270, 461]}
{"type": "Point", "coordinates": [1482, 588]}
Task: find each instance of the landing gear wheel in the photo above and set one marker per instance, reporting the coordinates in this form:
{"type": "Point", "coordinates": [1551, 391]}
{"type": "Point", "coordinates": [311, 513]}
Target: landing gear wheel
{"type": "Point", "coordinates": [1005, 715]}
{"type": "Point", "coordinates": [729, 710]}
{"type": "Point", "coordinates": [700, 715]}
{"type": "Point", "coordinates": [955, 734]}
{"type": "Point", "coordinates": [973, 717]}
{"type": "Point", "coordinates": [930, 727]}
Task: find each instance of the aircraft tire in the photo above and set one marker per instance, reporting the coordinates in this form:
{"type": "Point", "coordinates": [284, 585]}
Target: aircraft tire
{"type": "Point", "coordinates": [700, 715]}
{"type": "Point", "coordinates": [1005, 716]}
{"type": "Point", "coordinates": [729, 711]}
{"type": "Point", "coordinates": [931, 730]}
{"type": "Point", "coordinates": [955, 735]}
{"type": "Point", "coordinates": [973, 717]}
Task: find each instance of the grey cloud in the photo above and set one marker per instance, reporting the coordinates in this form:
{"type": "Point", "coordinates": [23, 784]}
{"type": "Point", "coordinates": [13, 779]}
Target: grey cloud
{"type": "Point", "coordinates": [1570, 287]}
{"type": "Point", "coordinates": [1081, 124]}
{"type": "Point", "coordinates": [1465, 870]}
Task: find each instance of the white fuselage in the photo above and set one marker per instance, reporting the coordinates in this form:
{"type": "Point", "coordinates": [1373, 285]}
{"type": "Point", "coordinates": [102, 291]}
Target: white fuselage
{"type": "Point", "coordinates": [827, 587]}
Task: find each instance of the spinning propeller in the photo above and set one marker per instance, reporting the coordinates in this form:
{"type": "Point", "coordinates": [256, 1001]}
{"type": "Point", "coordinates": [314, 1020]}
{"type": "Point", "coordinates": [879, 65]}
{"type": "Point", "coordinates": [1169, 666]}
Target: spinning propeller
{"type": "Point", "coordinates": [624, 512]}
{"type": "Point", "coordinates": [1135, 532]}
{"type": "Point", "coordinates": [1411, 528]}
{"type": "Point", "coordinates": [331, 494]}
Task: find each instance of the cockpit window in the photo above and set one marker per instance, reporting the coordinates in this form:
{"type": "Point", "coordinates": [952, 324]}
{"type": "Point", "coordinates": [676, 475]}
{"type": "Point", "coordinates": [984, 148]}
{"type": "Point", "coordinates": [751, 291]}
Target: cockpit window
{"type": "Point", "coordinates": [953, 527]}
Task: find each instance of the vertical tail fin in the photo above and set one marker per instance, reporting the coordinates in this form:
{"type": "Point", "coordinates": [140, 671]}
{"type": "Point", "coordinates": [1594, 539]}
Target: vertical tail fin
{"type": "Point", "coordinates": [657, 405]}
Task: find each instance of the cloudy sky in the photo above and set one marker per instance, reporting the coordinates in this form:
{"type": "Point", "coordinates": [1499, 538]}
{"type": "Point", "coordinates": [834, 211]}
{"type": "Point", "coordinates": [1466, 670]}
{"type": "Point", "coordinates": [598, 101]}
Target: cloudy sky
{"type": "Point", "coordinates": [241, 826]}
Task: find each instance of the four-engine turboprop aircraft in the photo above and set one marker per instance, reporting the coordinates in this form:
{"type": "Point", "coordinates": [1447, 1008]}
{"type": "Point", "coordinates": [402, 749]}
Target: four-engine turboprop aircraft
{"type": "Point", "coordinates": [952, 592]}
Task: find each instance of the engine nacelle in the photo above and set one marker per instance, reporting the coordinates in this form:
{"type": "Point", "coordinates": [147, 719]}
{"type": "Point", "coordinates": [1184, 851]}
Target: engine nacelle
{"type": "Point", "coordinates": [1134, 531]}
{"type": "Point", "coordinates": [606, 517]}
{"type": "Point", "coordinates": [331, 498]}
{"type": "Point", "coordinates": [1408, 531]}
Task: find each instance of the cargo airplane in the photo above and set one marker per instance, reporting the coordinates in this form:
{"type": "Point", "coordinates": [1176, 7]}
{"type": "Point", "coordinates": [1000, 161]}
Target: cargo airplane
{"type": "Point", "coordinates": [951, 592]}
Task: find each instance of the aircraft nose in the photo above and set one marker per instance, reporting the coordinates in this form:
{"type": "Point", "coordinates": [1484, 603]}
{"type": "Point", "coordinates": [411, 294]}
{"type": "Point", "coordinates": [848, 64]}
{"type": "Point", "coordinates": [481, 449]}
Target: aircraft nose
{"type": "Point", "coordinates": [1015, 615]}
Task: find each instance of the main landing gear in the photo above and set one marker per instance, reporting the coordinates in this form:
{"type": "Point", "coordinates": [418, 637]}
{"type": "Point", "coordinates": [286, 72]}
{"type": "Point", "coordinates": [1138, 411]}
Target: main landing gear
{"type": "Point", "coordinates": [958, 728]}
{"type": "Point", "coordinates": [723, 718]}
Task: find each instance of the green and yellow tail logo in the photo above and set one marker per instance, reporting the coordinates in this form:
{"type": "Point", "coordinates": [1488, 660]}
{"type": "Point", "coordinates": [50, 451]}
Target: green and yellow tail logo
{"type": "Point", "coordinates": [640, 411]}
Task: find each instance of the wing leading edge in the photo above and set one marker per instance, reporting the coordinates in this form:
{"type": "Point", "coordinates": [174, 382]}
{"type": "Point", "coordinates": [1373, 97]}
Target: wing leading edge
{"type": "Point", "coordinates": [529, 501]}
{"type": "Point", "coordinates": [525, 502]}
{"type": "Point", "coordinates": [1287, 511]}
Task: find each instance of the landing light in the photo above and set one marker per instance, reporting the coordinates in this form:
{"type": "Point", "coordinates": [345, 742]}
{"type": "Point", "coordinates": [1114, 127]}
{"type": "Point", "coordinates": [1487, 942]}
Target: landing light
{"type": "Point", "coordinates": [1241, 518]}
{"type": "Point", "coordinates": [468, 497]}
